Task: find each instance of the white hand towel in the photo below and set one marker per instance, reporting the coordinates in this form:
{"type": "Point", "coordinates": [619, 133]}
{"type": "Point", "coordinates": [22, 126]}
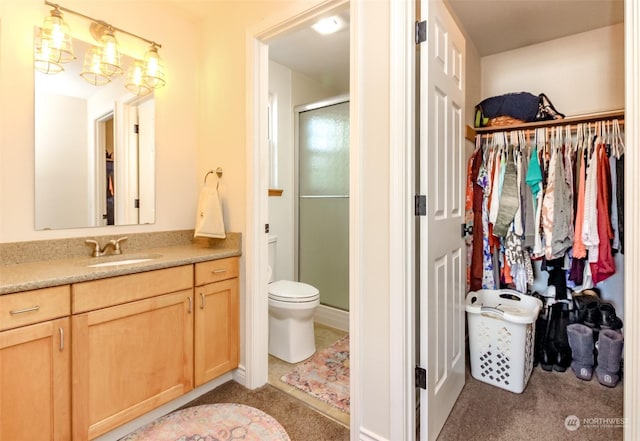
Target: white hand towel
{"type": "Point", "coordinates": [209, 222]}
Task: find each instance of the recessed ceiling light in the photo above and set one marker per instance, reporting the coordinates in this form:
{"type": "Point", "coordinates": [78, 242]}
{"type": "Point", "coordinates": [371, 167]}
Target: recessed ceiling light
{"type": "Point", "coordinates": [328, 25]}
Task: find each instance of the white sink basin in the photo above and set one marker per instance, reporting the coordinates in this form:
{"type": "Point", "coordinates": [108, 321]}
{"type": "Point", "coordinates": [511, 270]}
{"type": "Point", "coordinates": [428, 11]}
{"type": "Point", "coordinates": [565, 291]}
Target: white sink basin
{"type": "Point", "coordinates": [121, 260]}
{"type": "Point", "coordinates": [118, 262]}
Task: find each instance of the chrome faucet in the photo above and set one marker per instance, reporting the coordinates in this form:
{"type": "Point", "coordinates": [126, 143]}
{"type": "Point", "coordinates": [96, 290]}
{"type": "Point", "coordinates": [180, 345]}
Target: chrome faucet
{"type": "Point", "coordinates": [101, 251]}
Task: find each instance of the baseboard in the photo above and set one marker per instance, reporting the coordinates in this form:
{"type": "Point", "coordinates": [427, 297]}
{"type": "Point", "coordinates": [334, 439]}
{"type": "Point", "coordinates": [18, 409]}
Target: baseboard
{"type": "Point", "coordinates": [332, 317]}
{"type": "Point", "coordinates": [129, 427]}
{"type": "Point", "coordinates": [366, 435]}
{"type": "Point", "coordinates": [240, 375]}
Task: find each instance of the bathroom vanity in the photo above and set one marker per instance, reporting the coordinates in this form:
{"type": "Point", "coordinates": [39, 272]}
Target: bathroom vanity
{"type": "Point", "coordinates": [85, 348]}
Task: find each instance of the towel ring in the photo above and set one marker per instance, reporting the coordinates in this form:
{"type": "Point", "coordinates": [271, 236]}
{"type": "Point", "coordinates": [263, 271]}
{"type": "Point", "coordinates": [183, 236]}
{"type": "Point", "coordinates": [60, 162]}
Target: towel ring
{"type": "Point", "coordinates": [217, 171]}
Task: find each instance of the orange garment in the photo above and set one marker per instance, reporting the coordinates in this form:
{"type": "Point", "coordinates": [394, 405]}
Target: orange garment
{"type": "Point", "coordinates": [605, 266]}
{"type": "Point", "coordinates": [506, 272]}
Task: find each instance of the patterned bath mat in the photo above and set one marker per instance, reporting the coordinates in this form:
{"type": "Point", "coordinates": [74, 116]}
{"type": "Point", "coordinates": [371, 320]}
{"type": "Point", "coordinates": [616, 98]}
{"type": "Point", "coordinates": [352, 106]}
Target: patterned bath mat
{"type": "Point", "coordinates": [212, 422]}
{"type": "Point", "coordinates": [325, 375]}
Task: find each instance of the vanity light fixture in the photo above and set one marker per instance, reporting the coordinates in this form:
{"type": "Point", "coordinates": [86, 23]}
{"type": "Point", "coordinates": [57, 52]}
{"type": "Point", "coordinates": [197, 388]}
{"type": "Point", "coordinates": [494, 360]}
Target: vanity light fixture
{"type": "Point", "coordinates": [53, 45]}
{"type": "Point", "coordinates": [92, 68]}
{"type": "Point", "coordinates": [102, 61]}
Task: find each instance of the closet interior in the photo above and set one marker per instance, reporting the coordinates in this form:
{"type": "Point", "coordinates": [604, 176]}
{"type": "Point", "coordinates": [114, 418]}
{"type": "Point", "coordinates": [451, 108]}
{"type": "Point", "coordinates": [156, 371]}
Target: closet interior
{"type": "Point", "coordinates": [545, 200]}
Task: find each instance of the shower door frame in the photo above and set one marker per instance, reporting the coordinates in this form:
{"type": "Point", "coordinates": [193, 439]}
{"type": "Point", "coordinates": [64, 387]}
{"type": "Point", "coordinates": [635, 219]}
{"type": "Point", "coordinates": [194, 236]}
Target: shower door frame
{"type": "Point", "coordinates": [340, 99]}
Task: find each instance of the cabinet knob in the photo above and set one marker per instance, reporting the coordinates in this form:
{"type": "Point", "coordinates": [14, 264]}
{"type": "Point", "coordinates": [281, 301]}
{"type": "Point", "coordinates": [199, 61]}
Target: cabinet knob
{"type": "Point", "coordinates": [219, 271]}
{"type": "Point", "coordinates": [201, 300]}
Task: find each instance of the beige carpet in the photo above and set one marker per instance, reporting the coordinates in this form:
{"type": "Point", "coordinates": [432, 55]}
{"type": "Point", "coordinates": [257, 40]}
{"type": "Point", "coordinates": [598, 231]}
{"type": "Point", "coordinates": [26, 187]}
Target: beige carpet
{"type": "Point", "coordinates": [485, 412]}
{"type": "Point", "coordinates": [300, 421]}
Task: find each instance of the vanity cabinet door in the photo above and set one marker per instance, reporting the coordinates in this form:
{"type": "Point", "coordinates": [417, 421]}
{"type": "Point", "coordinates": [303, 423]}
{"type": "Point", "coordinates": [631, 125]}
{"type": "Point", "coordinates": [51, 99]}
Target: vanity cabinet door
{"type": "Point", "coordinates": [217, 332]}
{"type": "Point", "coordinates": [129, 359]}
{"type": "Point", "coordinates": [35, 382]}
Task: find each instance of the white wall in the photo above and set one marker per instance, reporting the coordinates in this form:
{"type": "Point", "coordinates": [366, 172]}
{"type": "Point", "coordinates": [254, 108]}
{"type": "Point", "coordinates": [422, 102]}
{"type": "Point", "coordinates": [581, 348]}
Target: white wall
{"type": "Point", "coordinates": [582, 73]}
{"type": "Point", "coordinates": [176, 110]}
{"type": "Point", "coordinates": [281, 214]}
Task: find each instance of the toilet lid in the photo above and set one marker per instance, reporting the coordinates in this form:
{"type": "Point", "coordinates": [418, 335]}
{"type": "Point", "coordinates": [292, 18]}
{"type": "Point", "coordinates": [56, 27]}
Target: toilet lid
{"type": "Point", "coordinates": [290, 291]}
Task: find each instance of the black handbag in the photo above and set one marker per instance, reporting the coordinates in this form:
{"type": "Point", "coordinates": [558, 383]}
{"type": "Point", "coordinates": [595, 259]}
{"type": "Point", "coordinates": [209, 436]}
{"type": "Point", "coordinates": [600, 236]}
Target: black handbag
{"type": "Point", "coordinates": [546, 110]}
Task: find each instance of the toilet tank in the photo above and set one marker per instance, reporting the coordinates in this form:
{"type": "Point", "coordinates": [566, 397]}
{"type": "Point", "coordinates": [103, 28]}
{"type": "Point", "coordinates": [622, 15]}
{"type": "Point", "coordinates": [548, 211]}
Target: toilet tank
{"type": "Point", "coordinates": [273, 242]}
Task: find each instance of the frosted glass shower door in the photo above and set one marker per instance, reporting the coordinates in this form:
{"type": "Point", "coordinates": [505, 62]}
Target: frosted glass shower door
{"type": "Point", "coordinates": [323, 201]}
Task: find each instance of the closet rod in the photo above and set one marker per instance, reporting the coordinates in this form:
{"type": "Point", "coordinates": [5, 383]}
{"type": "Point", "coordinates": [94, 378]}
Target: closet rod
{"type": "Point", "coordinates": [572, 120]}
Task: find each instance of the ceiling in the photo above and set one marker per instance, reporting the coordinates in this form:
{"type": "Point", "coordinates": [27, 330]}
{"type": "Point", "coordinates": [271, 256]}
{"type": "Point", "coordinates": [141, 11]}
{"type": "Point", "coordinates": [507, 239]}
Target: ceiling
{"type": "Point", "coordinates": [500, 25]}
{"type": "Point", "coordinates": [324, 58]}
{"type": "Point", "coordinates": [492, 25]}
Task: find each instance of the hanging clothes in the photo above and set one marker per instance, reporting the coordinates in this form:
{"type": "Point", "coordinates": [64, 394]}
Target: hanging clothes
{"type": "Point", "coordinates": [590, 236]}
{"type": "Point", "coordinates": [475, 278]}
{"type": "Point", "coordinates": [554, 198]}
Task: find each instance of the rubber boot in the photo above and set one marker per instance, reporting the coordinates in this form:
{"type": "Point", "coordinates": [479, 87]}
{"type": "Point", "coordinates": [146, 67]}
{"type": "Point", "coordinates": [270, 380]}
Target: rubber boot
{"type": "Point", "coordinates": [610, 345]}
{"type": "Point", "coordinates": [581, 342]}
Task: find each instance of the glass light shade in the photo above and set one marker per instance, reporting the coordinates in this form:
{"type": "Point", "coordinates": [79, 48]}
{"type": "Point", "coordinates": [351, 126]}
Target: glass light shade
{"type": "Point", "coordinates": [92, 67]}
{"type": "Point", "coordinates": [110, 61]}
{"type": "Point", "coordinates": [153, 68]}
{"type": "Point", "coordinates": [55, 31]}
{"type": "Point", "coordinates": [135, 81]}
{"type": "Point", "coordinates": [44, 57]}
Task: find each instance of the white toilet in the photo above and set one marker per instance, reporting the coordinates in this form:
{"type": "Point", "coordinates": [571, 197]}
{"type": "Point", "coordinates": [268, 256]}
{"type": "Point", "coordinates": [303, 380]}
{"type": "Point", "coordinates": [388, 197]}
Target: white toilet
{"type": "Point", "coordinates": [291, 308]}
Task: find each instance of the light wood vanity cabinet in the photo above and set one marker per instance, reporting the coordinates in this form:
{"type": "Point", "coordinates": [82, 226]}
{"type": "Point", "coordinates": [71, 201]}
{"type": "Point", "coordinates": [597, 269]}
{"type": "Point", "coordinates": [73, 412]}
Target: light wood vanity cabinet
{"type": "Point", "coordinates": [77, 361]}
{"type": "Point", "coordinates": [217, 310]}
{"type": "Point", "coordinates": [35, 365]}
{"type": "Point", "coordinates": [134, 356]}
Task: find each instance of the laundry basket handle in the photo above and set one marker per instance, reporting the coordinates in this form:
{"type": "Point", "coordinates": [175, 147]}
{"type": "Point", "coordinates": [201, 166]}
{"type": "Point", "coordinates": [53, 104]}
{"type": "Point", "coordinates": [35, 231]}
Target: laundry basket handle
{"type": "Point", "coordinates": [486, 310]}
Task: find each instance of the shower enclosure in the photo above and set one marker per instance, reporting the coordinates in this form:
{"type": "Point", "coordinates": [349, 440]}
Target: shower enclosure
{"type": "Point", "coordinates": [323, 199]}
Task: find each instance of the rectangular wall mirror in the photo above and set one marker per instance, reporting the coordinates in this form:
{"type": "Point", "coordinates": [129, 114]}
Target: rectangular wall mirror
{"type": "Point", "coordinates": [94, 151]}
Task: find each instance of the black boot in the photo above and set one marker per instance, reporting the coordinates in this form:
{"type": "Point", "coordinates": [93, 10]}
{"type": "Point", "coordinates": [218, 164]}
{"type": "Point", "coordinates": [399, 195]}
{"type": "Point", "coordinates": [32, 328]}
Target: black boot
{"type": "Point", "coordinates": [548, 354]}
{"type": "Point", "coordinates": [561, 340]}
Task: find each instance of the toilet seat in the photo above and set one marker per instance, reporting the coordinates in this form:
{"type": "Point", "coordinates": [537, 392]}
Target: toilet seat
{"type": "Point", "coordinates": [293, 292]}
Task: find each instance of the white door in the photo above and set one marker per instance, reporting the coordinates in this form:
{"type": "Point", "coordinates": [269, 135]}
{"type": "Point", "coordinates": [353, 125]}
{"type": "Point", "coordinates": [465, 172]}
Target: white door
{"type": "Point", "coordinates": [441, 247]}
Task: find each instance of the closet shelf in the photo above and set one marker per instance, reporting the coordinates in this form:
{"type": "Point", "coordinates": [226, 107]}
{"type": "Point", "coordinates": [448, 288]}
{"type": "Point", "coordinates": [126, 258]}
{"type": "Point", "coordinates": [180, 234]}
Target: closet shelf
{"type": "Point", "coordinates": [471, 132]}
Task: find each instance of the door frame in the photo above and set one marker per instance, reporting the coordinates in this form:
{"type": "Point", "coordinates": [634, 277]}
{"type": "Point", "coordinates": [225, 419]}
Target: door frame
{"type": "Point", "coordinates": [402, 223]}
{"type": "Point", "coordinates": [256, 258]}
{"type": "Point", "coordinates": [632, 232]}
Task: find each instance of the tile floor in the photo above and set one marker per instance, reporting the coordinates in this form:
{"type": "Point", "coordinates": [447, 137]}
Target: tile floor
{"type": "Point", "coordinates": [325, 337]}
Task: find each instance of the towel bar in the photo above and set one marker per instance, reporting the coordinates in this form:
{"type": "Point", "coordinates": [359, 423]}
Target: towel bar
{"type": "Point", "coordinates": [217, 171]}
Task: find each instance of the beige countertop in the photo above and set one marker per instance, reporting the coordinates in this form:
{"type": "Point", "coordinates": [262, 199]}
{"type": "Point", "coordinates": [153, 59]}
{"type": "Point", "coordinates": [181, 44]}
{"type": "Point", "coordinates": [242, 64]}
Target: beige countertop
{"type": "Point", "coordinates": [44, 274]}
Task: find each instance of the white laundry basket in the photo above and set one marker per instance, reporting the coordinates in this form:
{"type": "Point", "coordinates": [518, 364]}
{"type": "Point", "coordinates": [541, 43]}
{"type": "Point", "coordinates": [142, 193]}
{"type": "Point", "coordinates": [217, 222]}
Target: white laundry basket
{"type": "Point", "coordinates": [502, 336]}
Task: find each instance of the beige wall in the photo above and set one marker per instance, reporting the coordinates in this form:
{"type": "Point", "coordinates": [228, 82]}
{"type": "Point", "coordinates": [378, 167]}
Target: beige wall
{"type": "Point", "coordinates": [176, 110]}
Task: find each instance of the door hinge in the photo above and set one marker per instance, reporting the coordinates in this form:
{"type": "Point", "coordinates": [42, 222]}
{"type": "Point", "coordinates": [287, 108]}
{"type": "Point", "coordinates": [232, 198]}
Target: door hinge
{"type": "Point", "coordinates": [421, 31]}
{"type": "Point", "coordinates": [421, 378]}
{"type": "Point", "coordinates": [136, 203]}
{"type": "Point", "coordinates": [136, 128]}
{"type": "Point", "coordinates": [266, 228]}
{"type": "Point", "coordinates": [466, 229]}
{"type": "Point", "coordinates": [420, 208]}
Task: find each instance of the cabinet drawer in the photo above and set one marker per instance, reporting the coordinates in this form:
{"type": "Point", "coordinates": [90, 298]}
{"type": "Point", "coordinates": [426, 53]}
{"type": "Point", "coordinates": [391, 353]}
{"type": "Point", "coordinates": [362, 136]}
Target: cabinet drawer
{"type": "Point", "coordinates": [215, 270]}
{"type": "Point", "coordinates": [29, 307]}
{"type": "Point", "coordinates": [87, 296]}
